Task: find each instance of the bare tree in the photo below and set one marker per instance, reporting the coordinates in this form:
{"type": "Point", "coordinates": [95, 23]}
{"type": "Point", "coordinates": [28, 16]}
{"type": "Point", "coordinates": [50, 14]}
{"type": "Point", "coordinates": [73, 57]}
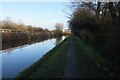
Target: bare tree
{"type": "Point", "coordinates": [59, 26]}
{"type": "Point", "coordinates": [59, 29]}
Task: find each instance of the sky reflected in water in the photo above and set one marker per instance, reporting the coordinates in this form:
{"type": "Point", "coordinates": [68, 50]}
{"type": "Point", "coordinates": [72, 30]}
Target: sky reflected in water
{"type": "Point", "coordinates": [16, 60]}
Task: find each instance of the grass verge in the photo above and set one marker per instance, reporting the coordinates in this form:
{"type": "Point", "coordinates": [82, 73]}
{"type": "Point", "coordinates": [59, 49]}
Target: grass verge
{"type": "Point", "coordinates": [51, 65]}
{"type": "Point", "coordinates": [90, 63]}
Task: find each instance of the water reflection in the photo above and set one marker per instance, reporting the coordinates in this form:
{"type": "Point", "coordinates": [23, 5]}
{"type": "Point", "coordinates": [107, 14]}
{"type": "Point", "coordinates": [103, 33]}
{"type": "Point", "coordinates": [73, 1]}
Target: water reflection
{"type": "Point", "coordinates": [16, 59]}
{"type": "Point", "coordinates": [14, 45]}
{"type": "Point", "coordinates": [60, 39]}
{"type": "Point", "coordinates": [9, 46]}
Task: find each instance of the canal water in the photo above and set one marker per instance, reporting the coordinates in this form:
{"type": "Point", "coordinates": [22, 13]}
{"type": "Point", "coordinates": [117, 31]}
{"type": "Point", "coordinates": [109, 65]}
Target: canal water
{"type": "Point", "coordinates": [16, 59]}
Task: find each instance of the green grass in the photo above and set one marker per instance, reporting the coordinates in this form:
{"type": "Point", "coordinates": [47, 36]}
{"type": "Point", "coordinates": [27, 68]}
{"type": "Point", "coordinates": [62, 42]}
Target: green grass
{"type": "Point", "coordinates": [91, 60]}
{"type": "Point", "coordinates": [51, 65]}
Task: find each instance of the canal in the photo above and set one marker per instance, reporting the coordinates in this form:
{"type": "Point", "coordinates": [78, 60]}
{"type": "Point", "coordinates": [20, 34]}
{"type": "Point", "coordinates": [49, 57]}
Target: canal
{"type": "Point", "coordinates": [16, 59]}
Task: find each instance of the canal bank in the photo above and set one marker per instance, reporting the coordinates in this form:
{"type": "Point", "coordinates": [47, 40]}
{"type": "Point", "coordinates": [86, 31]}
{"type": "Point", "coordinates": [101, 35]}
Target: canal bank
{"type": "Point", "coordinates": [72, 58]}
{"type": "Point", "coordinates": [51, 65]}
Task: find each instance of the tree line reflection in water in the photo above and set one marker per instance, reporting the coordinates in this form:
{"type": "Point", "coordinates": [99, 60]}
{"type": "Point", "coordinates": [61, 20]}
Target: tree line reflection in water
{"type": "Point", "coordinates": [9, 46]}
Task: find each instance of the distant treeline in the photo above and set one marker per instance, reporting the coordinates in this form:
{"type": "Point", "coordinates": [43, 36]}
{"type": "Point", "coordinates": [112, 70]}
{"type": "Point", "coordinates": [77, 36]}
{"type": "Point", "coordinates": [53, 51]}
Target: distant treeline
{"type": "Point", "coordinates": [98, 23]}
{"type": "Point", "coordinates": [21, 31]}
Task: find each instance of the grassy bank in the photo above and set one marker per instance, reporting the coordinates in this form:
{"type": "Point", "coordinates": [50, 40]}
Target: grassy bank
{"type": "Point", "coordinates": [90, 63]}
{"type": "Point", "coordinates": [51, 65]}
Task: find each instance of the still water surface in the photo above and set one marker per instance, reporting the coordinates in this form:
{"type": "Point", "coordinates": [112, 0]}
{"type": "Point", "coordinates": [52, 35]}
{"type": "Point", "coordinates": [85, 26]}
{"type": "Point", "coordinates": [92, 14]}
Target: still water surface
{"type": "Point", "coordinates": [17, 59]}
